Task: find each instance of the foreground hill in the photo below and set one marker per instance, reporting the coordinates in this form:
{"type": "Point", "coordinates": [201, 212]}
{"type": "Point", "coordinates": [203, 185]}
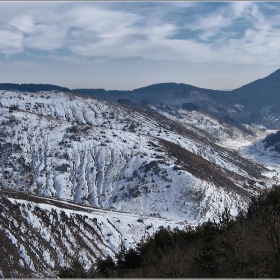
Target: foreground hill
{"type": "Point", "coordinates": [41, 235]}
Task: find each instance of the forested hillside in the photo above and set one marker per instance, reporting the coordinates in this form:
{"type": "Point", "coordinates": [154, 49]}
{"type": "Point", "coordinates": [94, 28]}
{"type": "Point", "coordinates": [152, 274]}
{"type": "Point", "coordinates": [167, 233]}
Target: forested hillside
{"type": "Point", "coordinates": [254, 103]}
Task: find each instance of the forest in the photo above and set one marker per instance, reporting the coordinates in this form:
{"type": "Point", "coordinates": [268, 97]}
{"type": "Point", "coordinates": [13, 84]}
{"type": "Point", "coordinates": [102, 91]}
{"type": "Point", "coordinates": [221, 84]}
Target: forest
{"type": "Point", "coordinates": [32, 87]}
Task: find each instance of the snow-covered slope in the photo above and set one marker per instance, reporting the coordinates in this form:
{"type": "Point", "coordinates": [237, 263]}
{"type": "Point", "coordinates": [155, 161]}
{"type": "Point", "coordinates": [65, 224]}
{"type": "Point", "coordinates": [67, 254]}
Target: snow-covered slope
{"type": "Point", "coordinates": [41, 235]}
{"type": "Point", "coordinates": [84, 110]}
{"type": "Point", "coordinates": [217, 130]}
{"type": "Point", "coordinates": [102, 154]}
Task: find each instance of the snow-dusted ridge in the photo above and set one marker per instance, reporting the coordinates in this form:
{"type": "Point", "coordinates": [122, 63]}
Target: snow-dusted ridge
{"type": "Point", "coordinates": [210, 125]}
{"type": "Point", "coordinates": [85, 110]}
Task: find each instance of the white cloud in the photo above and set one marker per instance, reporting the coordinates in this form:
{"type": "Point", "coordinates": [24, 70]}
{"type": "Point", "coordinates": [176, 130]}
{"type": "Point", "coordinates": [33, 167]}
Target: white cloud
{"type": "Point", "coordinates": [24, 23]}
{"type": "Point", "coordinates": [93, 29]}
{"type": "Point", "coordinates": [212, 22]}
{"type": "Point", "coordinates": [11, 42]}
{"type": "Point", "coordinates": [240, 8]}
{"type": "Point", "coordinates": [45, 37]}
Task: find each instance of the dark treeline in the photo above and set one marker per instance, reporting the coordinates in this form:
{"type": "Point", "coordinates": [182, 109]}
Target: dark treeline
{"type": "Point", "coordinates": [32, 87]}
{"type": "Point", "coordinates": [245, 247]}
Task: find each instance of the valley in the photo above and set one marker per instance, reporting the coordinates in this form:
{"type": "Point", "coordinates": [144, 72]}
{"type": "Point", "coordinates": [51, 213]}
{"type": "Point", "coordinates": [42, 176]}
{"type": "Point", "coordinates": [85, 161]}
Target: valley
{"type": "Point", "coordinates": [254, 149]}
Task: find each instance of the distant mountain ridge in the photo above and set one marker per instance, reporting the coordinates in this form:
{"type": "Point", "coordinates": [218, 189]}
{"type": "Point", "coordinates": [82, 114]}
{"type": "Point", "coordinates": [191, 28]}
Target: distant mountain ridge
{"type": "Point", "coordinates": [32, 87]}
{"type": "Point", "coordinates": [254, 96]}
{"type": "Point", "coordinates": [259, 92]}
{"type": "Point", "coordinates": [257, 102]}
{"type": "Point", "coordinates": [153, 93]}
{"type": "Point", "coordinates": [262, 92]}
{"type": "Point", "coordinates": [265, 91]}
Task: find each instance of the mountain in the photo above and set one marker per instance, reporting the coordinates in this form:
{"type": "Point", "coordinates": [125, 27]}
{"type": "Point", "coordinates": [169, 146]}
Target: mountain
{"type": "Point", "coordinates": [80, 176]}
{"type": "Point", "coordinates": [260, 93]}
{"type": "Point", "coordinates": [31, 87]}
{"type": "Point", "coordinates": [257, 102]}
{"type": "Point", "coordinates": [165, 93]}
{"type": "Point", "coordinates": [107, 155]}
{"type": "Point", "coordinates": [254, 96]}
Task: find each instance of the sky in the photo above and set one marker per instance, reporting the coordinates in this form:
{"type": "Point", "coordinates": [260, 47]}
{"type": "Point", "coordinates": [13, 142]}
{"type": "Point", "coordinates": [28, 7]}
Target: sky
{"type": "Point", "coordinates": [127, 45]}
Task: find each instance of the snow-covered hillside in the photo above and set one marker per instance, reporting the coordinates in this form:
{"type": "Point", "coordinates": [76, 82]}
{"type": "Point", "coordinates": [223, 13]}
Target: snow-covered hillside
{"type": "Point", "coordinates": [115, 158]}
{"type": "Point", "coordinates": [101, 154]}
{"type": "Point", "coordinates": [41, 235]}
{"type": "Point", "coordinates": [212, 126]}
{"type": "Point", "coordinates": [100, 113]}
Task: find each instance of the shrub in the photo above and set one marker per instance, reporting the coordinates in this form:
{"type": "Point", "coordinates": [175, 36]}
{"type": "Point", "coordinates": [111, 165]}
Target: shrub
{"type": "Point", "coordinates": [73, 129]}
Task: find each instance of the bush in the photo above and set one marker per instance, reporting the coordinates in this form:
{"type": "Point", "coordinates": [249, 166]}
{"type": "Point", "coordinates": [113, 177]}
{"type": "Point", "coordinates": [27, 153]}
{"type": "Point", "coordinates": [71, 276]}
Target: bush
{"type": "Point", "coordinates": [73, 129]}
{"type": "Point", "coordinates": [13, 107]}
{"type": "Point", "coordinates": [104, 267]}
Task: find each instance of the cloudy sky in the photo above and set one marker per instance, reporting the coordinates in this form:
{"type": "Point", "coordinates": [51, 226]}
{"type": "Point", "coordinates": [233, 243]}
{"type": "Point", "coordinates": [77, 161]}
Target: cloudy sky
{"type": "Point", "coordinates": [126, 45]}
